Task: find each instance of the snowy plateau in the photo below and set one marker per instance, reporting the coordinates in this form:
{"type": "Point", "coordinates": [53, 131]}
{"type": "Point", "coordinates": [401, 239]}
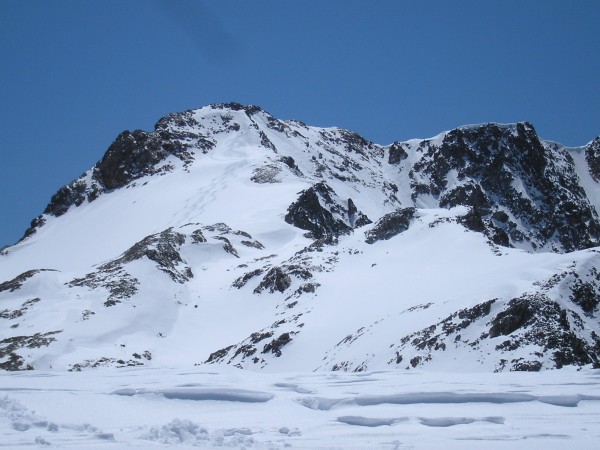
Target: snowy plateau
{"type": "Point", "coordinates": [235, 280]}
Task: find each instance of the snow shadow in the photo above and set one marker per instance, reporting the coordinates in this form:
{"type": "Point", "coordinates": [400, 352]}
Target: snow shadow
{"type": "Point", "coordinates": [369, 421]}
{"type": "Point", "coordinates": [325, 404]}
{"type": "Point", "coordinates": [451, 421]}
{"type": "Point", "coordinates": [199, 394]}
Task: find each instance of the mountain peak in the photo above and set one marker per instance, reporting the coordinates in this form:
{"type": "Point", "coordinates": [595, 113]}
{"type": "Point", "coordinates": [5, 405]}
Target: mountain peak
{"type": "Point", "coordinates": [238, 238]}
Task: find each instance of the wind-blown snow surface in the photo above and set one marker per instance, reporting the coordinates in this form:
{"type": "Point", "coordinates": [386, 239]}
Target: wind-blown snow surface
{"type": "Point", "coordinates": [228, 238]}
{"type": "Point", "coordinates": [166, 408]}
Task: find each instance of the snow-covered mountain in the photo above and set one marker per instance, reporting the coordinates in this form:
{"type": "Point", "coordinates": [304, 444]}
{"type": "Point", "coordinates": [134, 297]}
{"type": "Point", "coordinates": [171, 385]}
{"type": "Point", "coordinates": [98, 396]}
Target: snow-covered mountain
{"type": "Point", "coordinates": [226, 236]}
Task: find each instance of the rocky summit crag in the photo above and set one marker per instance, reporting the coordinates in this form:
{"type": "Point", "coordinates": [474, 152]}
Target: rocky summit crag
{"type": "Point", "coordinates": [227, 236]}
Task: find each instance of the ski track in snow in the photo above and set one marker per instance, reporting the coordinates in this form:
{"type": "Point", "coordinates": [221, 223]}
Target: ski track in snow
{"type": "Point", "coordinates": [204, 196]}
{"type": "Point", "coordinates": [169, 408]}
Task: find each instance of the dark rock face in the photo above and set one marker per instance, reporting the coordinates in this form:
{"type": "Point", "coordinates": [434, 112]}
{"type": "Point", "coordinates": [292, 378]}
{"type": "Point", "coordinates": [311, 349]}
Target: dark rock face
{"type": "Point", "coordinates": [218, 355]}
{"type": "Point", "coordinates": [585, 294]}
{"type": "Point", "coordinates": [534, 319]}
{"type": "Point", "coordinates": [198, 237]}
{"type": "Point", "coordinates": [507, 169]}
{"type": "Point", "coordinates": [390, 225]}
{"type": "Point", "coordinates": [228, 246]}
{"type": "Point", "coordinates": [10, 315]}
{"type": "Point", "coordinates": [308, 214]}
{"type": "Point", "coordinates": [107, 362]}
{"type": "Point", "coordinates": [318, 211]}
{"type": "Point", "coordinates": [35, 224]}
{"type": "Point", "coordinates": [276, 279]}
{"type": "Point", "coordinates": [17, 282]}
{"type": "Point", "coordinates": [266, 174]}
{"type": "Point", "coordinates": [10, 346]}
{"type": "Point", "coordinates": [438, 337]}
{"type": "Point", "coordinates": [518, 313]}
{"type": "Point", "coordinates": [250, 110]}
{"type": "Point", "coordinates": [132, 155]}
{"type": "Point", "coordinates": [162, 248]}
{"type": "Point", "coordinates": [553, 336]}
{"type": "Point", "coordinates": [71, 194]}
{"type": "Point", "coordinates": [243, 280]}
{"type": "Point", "coordinates": [592, 156]}
{"type": "Point", "coordinates": [275, 345]}
{"type": "Point", "coordinates": [119, 283]}
{"type": "Point", "coordinates": [469, 194]}
{"type": "Point", "coordinates": [397, 153]}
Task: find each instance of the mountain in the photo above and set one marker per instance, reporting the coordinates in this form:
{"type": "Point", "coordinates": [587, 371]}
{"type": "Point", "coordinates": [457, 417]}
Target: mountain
{"type": "Point", "coordinates": [229, 237]}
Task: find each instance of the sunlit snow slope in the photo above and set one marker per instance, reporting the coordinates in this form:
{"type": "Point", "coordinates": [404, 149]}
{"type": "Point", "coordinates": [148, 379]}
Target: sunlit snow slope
{"type": "Point", "coordinates": [227, 236]}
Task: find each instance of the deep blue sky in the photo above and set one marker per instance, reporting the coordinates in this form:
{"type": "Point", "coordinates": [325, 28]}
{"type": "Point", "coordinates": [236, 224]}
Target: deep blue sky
{"type": "Point", "coordinates": [75, 73]}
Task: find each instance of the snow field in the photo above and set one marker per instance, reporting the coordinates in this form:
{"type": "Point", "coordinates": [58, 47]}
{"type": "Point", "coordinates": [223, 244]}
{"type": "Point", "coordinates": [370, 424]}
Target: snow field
{"type": "Point", "coordinates": [171, 408]}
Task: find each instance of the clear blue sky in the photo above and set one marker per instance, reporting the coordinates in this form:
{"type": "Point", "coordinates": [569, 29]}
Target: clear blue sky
{"type": "Point", "coordinates": [75, 73]}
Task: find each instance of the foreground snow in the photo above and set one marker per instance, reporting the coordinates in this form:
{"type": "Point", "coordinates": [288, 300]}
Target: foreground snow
{"type": "Point", "coordinates": [158, 408]}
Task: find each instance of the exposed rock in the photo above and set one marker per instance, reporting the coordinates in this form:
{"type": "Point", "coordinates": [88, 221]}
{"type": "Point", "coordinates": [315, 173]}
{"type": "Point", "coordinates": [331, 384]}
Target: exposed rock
{"type": "Point", "coordinates": [535, 183]}
{"type": "Point", "coordinates": [276, 279]}
{"type": "Point", "coordinates": [468, 194]}
{"type": "Point", "coordinates": [65, 197]}
{"type": "Point", "coordinates": [473, 221]}
{"type": "Point", "coordinates": [105, 362]}
{"type": "Point", "coordinates": [227, 246]}
{"type": "Point", "coordinates": [390, 225]}
{"type": "Point", "coordinates": [253, 244]}
{"type": "Point", "coordinates": [162, 248]}
{"type": "Point", "coordinates": [266, 174]}
{"type": "Point", "coordinates": [308, 214]}
{"type": "Point", "coordinates": [275, 345]}
{"type": "Point", "coordinates": [592, 156]}
{"type": "Point", "coordinates": [397, 153]}
{"type": "Point", "coordinates": [517, 314]}
{"type": "Point", "coordinates": [245, 350]}
{"type": "Point", "coordinates": [356, 218]}
{"type": "Point", "coordinates": [289, 161]}
{"type": "Point", "coordinates": [218, 355]}
{"type": "Point", "coordinates": [437, 337]}
{"type": "Point", "coordinates": [585, 294]}
{"type": "Point", "coordinates": [198, 237]}
{"type": "Point", "coordinates": [241, 281]}
{"type": "Point", "coordinates": [35, 224]}
{"type": "Point", "coordinates": [132, 155]}
{"type": "Point", "coordinates": [526, 366]}
{"type": "Point", "coordinates": [10, 346]}
{"type": "Point", "coordinates": [119, 283]}
{"type": "Point", "coordinates": [536, 320]}
{"type": "Point", "coordinates": [6, 314]}
{"type": "Point", "coordinates": [318, 211]}
{"type": "Point", "coordinates": [17, 282]}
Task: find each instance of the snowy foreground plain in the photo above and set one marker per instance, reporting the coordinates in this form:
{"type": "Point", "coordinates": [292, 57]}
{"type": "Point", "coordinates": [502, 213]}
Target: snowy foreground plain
{"type": "Point", "coordinates": [164, 408]}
